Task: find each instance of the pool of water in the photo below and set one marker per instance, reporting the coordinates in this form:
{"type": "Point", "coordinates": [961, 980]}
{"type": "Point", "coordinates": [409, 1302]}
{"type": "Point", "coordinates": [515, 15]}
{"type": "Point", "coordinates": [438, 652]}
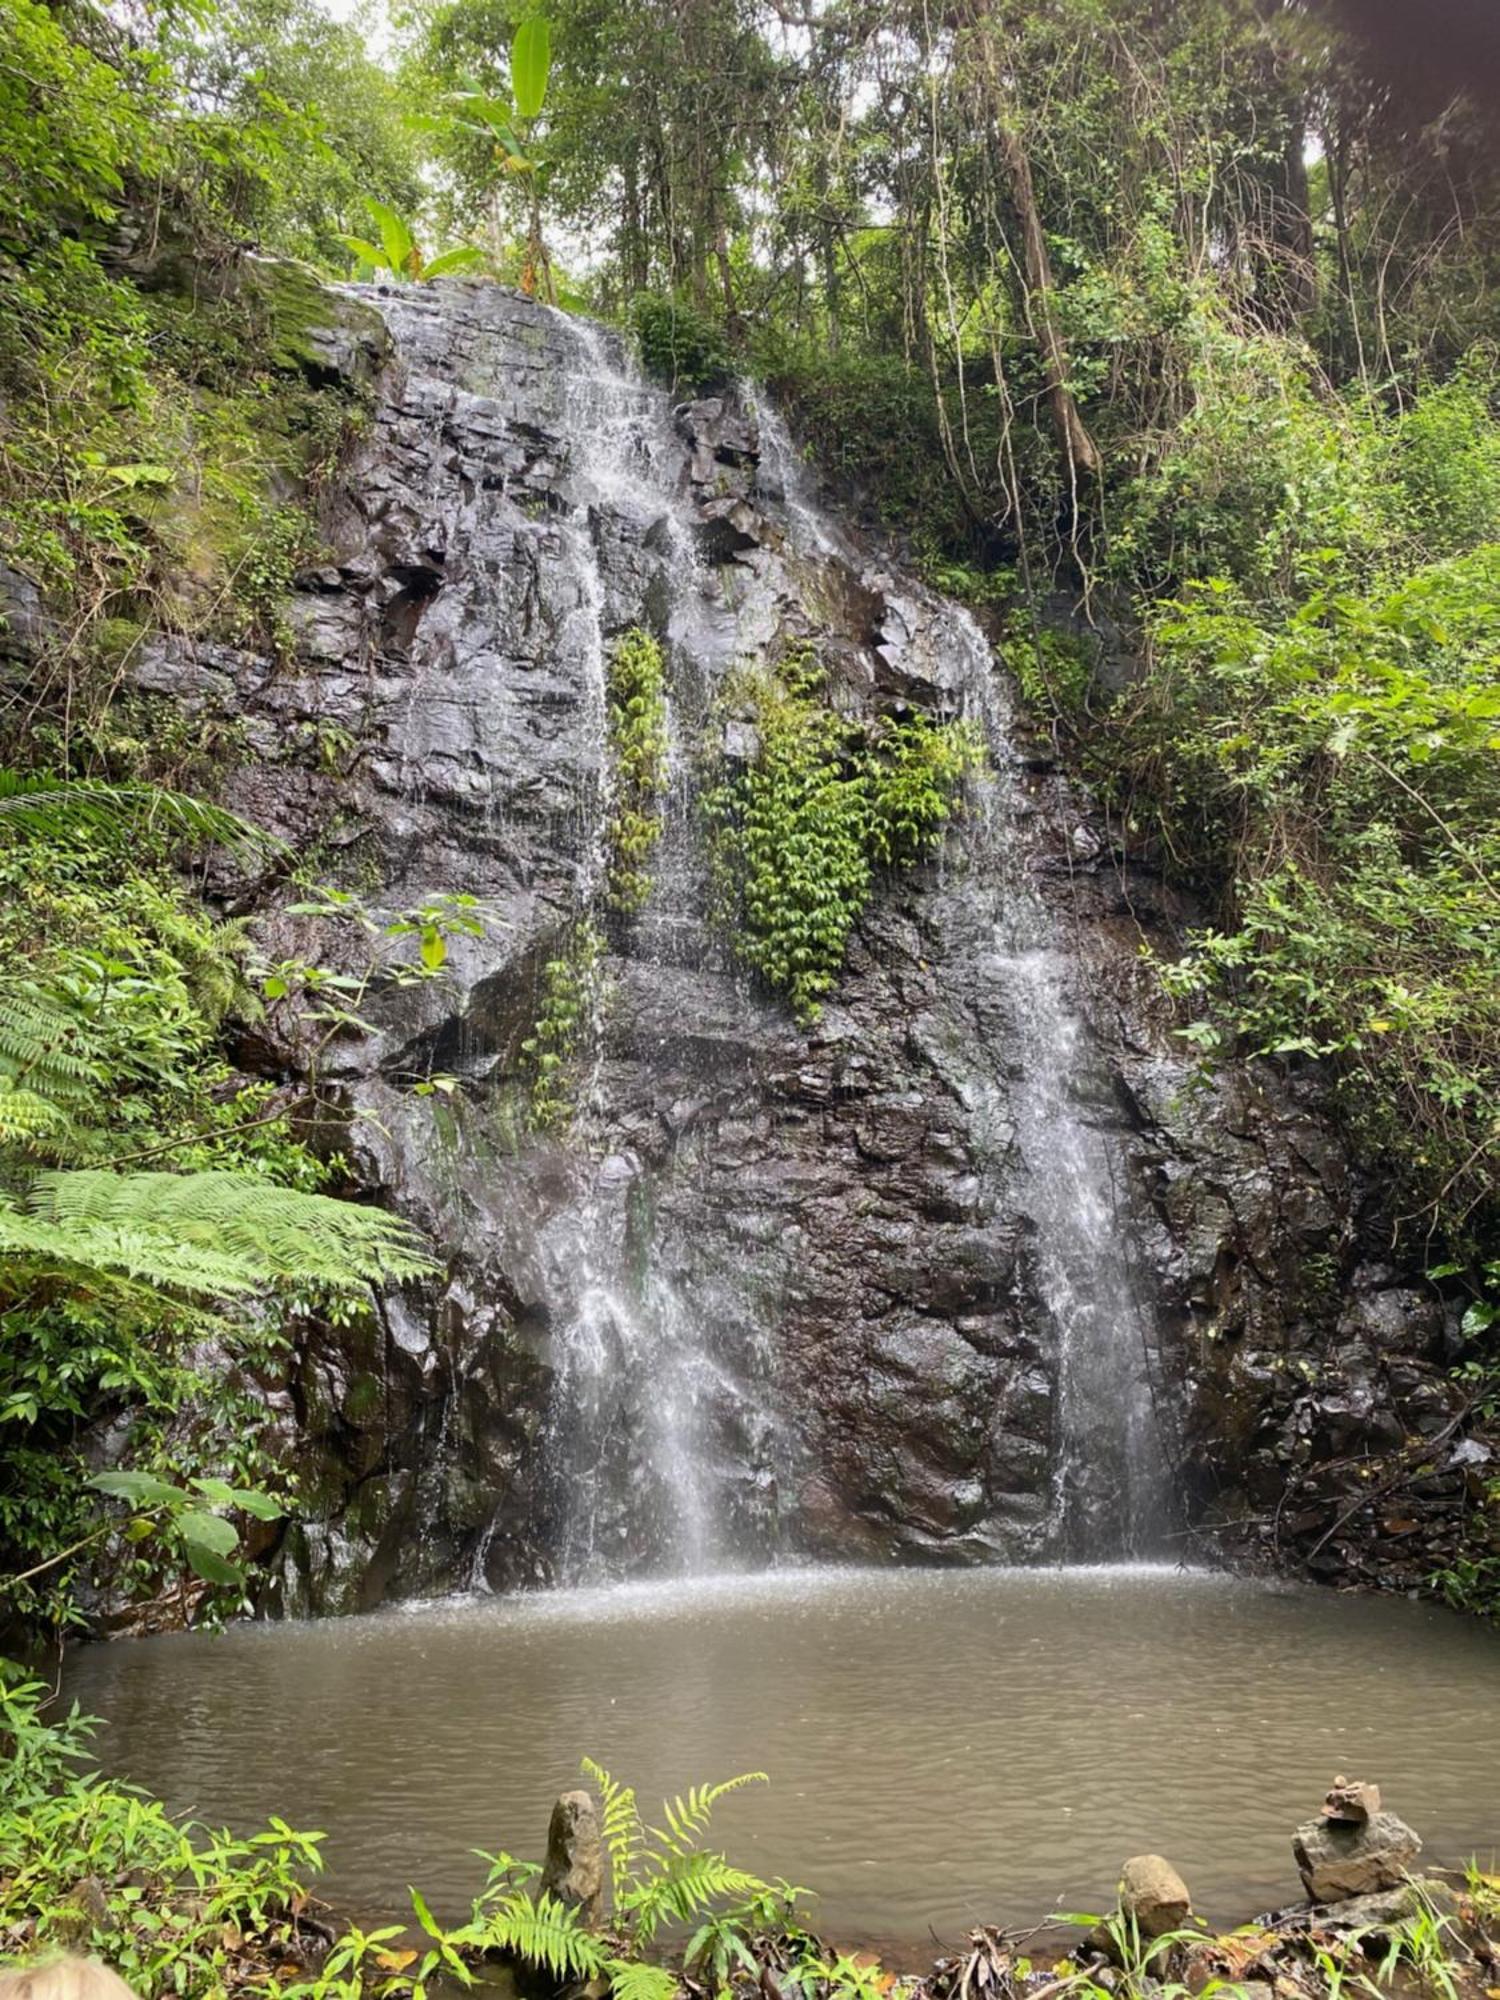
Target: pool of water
{"type": "Point", "coordinates": [944, 1749]}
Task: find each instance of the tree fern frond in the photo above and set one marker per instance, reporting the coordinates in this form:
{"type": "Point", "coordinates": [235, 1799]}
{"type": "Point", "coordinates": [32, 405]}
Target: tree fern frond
{"type": "Point", "coordinates": [623, 1832]}
{"type": "Point", "coordinates": [245, 1225]}
{"type": "Point", "coordinates": [547, 1932]}
{"type": "Point", "coordinates": [630, 1979]}
{"type": "Point", "coordinates": [51, 808]}
{"type": "Point", "coordinates": [36, 1247]}
{"type": "Point", "coordinates": [33, 1122]}
{"type": "Point", "coordinates": [44, 1042]}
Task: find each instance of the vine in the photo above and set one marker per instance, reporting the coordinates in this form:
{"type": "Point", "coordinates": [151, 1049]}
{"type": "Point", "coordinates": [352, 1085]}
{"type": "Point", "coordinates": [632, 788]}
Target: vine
{"type": "Point", "coordinates": [569, 998]}
{"type": "Point", "coordinates": [635, 694]}
{"type": "Point", "coordinates": [799, 827]}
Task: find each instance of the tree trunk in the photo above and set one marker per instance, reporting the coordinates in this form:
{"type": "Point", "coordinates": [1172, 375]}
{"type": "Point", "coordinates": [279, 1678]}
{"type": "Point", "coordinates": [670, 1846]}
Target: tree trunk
{"type": "Point", "coordinates": [1073, 434]}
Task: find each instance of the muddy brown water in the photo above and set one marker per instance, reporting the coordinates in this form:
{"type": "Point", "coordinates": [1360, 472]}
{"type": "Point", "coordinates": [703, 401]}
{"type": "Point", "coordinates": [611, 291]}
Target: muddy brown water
{"type": "Point", "coordinates": [943, 1748]}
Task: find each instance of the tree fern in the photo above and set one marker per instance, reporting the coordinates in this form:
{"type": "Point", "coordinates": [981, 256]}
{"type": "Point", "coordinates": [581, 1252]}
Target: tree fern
{"type": "Point", "coordinates": [53, 808]}
{"type": "Point", "coordinates": [246, 1230]}
{"type": "Point", "coordinates": [40, 1252]}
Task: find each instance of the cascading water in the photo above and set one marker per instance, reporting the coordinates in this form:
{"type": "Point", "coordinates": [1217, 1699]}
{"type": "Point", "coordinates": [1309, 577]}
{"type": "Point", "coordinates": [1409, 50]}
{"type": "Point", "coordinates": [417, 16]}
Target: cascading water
{"type": "Point", "coordinates": [1109, 1482]}
{"type": "Point", "coordinates": [860, 1292]}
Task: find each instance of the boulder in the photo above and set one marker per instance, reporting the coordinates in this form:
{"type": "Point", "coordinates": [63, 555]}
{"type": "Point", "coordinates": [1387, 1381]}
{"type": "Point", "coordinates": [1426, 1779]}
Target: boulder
{"type": "Point", "coordinates": [1339, 1858]}
{"type": "Point", "coordinates": [574, 1868]}
{"type": "Point", "coordinates": [1154, 1894]}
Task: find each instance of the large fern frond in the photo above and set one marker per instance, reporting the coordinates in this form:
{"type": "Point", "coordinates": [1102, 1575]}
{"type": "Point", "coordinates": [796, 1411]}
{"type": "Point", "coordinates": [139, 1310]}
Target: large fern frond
{"type": "Point", "coordinates": [52, 808]}
{"type": "Point", "coordinates": [684, 1886]}
{"type": "Point", "coordinates": [44, 1043]}
{"type": "Point", "coordinates": [34, 1248]}
{"type": "Point", "coordinates": [688, 1817]}
{"type": "Point", "coordinates": [547, 1932]}
{"type": "Point", "coordinates": [248, 1231]}
{"type": "Point", "coordinates": [620, 1824]}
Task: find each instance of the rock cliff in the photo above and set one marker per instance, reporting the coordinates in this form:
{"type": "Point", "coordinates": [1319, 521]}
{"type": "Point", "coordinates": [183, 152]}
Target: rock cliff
{"type": "Point", "coordinates": [777, 1291]}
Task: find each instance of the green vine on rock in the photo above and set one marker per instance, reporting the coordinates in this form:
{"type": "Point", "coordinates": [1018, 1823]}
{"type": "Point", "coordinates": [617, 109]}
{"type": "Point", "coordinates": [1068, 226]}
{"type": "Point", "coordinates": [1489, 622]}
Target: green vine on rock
{"type": "Point", "coordinates": [569, 1001]}
{"type": "Point", "coordinates": [636, 705]}
{"type": "Point", "coordinates": [817, 802]}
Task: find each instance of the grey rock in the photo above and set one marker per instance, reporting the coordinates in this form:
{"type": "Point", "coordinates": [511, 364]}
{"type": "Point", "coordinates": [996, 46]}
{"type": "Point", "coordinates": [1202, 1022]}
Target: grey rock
{"type": "Point", "coordinates": [1337, 1859]}
{"type": "Point", "coordinates": [1154, 1895]}
{"type": "Point", "coordinates": [574, 1868]}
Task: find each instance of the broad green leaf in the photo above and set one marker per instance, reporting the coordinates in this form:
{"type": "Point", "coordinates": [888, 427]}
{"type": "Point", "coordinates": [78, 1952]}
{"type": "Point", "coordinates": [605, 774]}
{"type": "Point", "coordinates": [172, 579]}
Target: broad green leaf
{"type": "Point", "coordinates": [141, 1489]}
{"type": "Point", "coordinates": [203, 1530]}
{"type": "Point", "coordinates": [213, 1568]}
{"type": "Point", "coordinates": [397, 239]}
{"type": "Point", "coordinates": [462, 257]}
{"type": "Point", "coordinates": [367, 253]}
{"type": "Point", "coordinates": [530, 62]}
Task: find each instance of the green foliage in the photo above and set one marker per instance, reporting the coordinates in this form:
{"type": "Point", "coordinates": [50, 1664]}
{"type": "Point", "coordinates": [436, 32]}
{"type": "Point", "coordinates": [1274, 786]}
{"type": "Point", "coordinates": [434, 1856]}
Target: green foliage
{"type": "Point", "coordinates": [679, 343]}
{"type": "Point", "coordinates": [398, 253]}
{"type": "Point", "coordinates": [154, 1206]}
{"type": "Point", "coordinates": [662, 1874]}
{"type": "Point", "coordinates": [184, 1905]}
{"type": "Point", "coordinates": [636, 721]}
{"type": "Point", "coordinates": [799, 825]}
{"type": "Point", "coordinates": [571, 986]}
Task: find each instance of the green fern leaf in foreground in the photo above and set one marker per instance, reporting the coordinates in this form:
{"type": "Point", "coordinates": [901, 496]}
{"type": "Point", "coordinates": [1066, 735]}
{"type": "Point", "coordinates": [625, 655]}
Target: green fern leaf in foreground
{"type": "Point", "coordinates": [207, 1233]}
{"type": "Point", "coordinates": [53, 808]}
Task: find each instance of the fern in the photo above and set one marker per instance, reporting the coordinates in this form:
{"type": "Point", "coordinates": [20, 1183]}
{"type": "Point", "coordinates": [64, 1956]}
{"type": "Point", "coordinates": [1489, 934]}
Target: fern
{"type": "Point", "coordinates": [623, 1832]}
{"type": "Point", "coordinates": [220, 1232]}
{"type": "Point", "coordinates": [547, 1932]}
{"type": "Point", "coordinates": [662, 1875]}
{"type": "Point", "coordinates": [629, 1979]}
{"type": "Point", "coordinates": [35, 1250]}
{"type": "Point", "coordinates": [54, 808]}
{"type": "Point", "coordinates": [688, 1817]}
{"type": "Point", "coordinates": [681, 1888]}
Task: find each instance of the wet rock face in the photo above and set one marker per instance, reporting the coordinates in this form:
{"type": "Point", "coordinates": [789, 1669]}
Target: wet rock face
{"type": "Point", "coordinates": [777, 1290]}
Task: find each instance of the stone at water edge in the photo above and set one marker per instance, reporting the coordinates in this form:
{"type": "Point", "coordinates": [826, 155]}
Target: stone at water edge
{"type": "Point", "coordinates": [1339, 1858]}
{"type": "Point", "coordinates": [1352, 1801]}
{"type": "Point", "coordinates": [574, 1868]}
{"type": "Point", "coordinates": [1154, 1894]}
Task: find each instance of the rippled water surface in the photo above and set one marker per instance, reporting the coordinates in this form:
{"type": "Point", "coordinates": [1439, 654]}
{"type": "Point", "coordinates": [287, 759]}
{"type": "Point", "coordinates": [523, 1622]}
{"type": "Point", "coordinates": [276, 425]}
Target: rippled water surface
{"type": "Point", "coordinates": [944, 1749]}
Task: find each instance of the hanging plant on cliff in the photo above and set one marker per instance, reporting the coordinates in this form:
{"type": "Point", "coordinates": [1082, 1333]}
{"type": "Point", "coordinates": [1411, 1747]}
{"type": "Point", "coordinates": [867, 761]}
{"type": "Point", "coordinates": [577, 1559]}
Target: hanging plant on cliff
{"type": "Point", "coordinates": [800, 823]}
{"type": "Point", "coordinates": [635, 693]}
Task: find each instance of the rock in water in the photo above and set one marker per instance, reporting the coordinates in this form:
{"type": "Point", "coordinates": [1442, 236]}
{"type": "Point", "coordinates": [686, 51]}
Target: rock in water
{"type": "Point", "coordinates": [1154, 1894]}
{"type": "Point", "coordinates": [1341, 1858]}
{"type": "Point", "coordinates": [574, 1870]}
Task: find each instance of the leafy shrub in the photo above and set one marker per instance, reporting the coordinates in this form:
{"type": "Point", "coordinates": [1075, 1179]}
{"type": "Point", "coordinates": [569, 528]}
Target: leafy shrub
{"type": "Point", "coordinates": [570, 984]}
{"type": "Point", "coordinates": [679, 344]}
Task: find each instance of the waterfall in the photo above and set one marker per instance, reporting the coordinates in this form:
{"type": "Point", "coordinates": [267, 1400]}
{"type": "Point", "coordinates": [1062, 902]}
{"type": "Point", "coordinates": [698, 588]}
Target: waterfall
{"type": "Point", "coordinates": [714, 1388]}
{"type": "Point", "coordinates": [1109, 1483]}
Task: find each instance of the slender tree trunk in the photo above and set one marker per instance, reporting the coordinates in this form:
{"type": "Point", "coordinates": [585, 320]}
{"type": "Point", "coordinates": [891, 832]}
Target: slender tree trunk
{"type": "Point", "coordinates": [1073, 434]}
